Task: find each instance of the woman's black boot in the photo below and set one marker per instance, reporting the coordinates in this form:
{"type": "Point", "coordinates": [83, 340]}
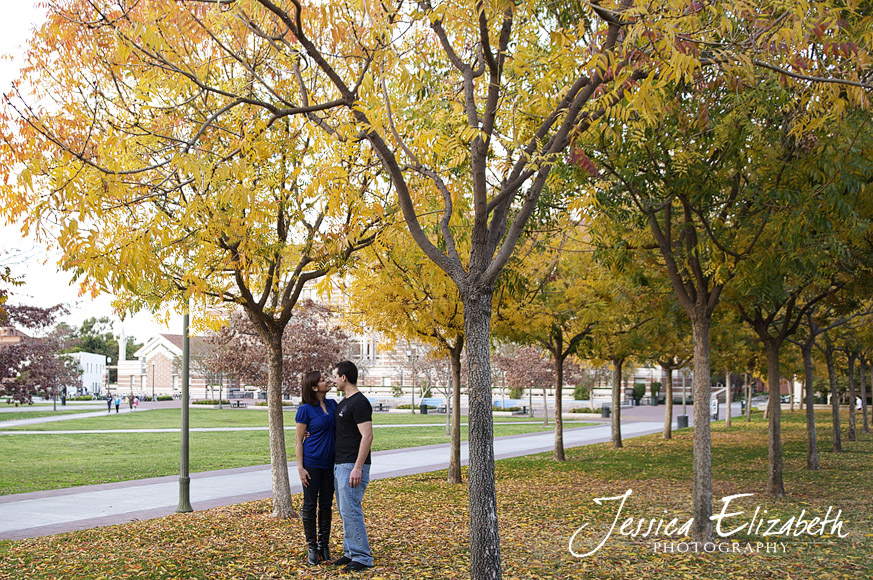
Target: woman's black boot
{"type": "Point", "coordinates": [311, 538]}
{"type": "Point", "coordinates": [324, 517]}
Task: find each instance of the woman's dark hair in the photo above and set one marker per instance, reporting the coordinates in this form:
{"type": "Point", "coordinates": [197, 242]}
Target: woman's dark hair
{"type": "Point", "coordinates": [310, 380]}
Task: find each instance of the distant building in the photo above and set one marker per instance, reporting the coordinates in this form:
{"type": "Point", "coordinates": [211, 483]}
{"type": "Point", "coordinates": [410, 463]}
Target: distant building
{"type": "Point", "coordinates": [94, 377]}
{"type": "Point", "coordinates": [155, 370]}
{"type": "Point", "coordinates": [10, 335]}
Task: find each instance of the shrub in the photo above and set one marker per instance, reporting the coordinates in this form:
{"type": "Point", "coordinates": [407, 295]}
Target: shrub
{"type": "Point", "coordinates": [656, 388]}
{"type": "Point", "coordinates": [584, 410]}
{"type": "Point", "coordinates": [580, 393]}
{"type": "Point", "coordinates": [639, 390]}
{"type": "Point", "coordinates": [210, 402]}
{"type": "Point", "coordinates": [165, 398]}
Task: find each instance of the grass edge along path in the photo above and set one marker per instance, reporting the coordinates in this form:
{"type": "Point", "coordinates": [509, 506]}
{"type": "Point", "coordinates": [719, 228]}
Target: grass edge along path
{"type": "Point", "coordinates": [41, 462]}
{"type": "Point", "coordinates": [418, 524]}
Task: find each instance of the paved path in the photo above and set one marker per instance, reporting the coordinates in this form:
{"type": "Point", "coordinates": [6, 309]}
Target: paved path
{"type": "Point", "coordinates": [50, 512]}
{"type": "Point", "coordinates": [64, 417]}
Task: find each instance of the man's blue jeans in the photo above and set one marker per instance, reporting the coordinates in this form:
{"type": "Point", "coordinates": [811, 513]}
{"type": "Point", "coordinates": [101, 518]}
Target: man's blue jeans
{"type": "Point", "coordinates": [349, 501]}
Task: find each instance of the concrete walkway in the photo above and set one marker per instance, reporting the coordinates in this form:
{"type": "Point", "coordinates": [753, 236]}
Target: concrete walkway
{"type": "Point", "coordinates": [51, 512]}
{"type": "Point", "coordinates": [65, 417]}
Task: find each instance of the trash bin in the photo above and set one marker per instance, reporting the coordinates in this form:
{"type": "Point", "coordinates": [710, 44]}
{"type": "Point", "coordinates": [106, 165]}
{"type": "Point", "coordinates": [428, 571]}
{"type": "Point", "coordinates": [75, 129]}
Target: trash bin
{"type": "Point", "coordinates": [681, 421]}
{"type": "Point", "coordinates": [605, 411]}
{"type": "Point", "coordinates": [743, 407]}
{"type": "Point", "coordinates": [423, 409]}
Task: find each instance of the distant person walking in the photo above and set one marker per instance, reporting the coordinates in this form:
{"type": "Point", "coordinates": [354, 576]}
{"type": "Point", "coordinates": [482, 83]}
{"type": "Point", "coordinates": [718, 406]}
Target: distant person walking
{"type": "Point", "coordinates": [315, 454]}
{"type": "Point", "coordinates": [130, 401]}
{"type": "Point", "coordinates": [108, 402]}
{"type": "Point", "coordinates": [135, 403]}
{"type": "Point", "coordinates": [117, 402]}
{"type": "Point", "coordinates": [354, 436]}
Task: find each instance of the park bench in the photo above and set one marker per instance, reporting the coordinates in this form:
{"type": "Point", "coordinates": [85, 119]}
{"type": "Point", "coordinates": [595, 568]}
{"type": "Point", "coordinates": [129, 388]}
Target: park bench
{"type": "Point", "coordinates": [378, 406]}
{"type": "Point", "coordinates": [238, 404]}
{"type": "Point", "coordinates": [510, 404]}
{"type": "Point", "coordinates": [437, 404]}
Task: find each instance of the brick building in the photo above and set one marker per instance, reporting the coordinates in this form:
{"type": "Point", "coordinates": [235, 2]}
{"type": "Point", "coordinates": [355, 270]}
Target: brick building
{"type": "Point", "coordinates": [156, 370]}
{"type": "Point", "coordinates": [10, 335]}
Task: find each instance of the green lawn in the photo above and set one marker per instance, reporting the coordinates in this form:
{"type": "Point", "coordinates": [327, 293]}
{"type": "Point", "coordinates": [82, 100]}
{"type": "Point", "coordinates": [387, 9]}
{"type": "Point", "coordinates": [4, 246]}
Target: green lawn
{"type": "Point", "coordinates": [51, 461]}
{"type": "Point", "coordinates": [419, 525]}
{"type": "Point", "coordinates": [169, 419]}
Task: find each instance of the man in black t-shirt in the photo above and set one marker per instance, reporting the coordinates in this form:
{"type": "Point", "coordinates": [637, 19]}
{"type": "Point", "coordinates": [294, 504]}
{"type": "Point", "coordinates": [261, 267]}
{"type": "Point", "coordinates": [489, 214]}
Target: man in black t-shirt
{"type": "Point", "coordinates": [354, 436]}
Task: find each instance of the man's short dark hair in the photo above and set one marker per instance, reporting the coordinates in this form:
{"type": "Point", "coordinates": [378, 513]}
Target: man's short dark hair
{"type": "Point", "coordinates": [348, 369]}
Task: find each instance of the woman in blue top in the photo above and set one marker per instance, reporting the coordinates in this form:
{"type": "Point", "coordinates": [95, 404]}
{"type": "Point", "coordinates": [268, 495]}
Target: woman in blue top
{"type": "Point", "coordinates": [315, 454]}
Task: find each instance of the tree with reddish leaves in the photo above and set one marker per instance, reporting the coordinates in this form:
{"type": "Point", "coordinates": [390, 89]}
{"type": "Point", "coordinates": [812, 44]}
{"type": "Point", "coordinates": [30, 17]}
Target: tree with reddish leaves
{"type": "Point", "coordinates": [527, 368]}
{"type": "Point", "coordinates": [310, 342]}
{"type": "Point", "coordinates": [35, 365]}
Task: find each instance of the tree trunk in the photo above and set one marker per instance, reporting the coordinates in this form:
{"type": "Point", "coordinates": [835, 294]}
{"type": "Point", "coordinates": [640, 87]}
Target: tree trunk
{"type": "Point", "coordinates": [668, 412]}
{"type": "Point", "coordinates": [455, 455]}
{"type": "Point", "coordinates": [701, 489]}
{"type": "Point", "coordinates": [559, 420]}
{"type": "Point", "coordinates": [775, 486]}
{"type": "Point", "coordinates": [835, 399]}
{"type": "Point", "coordinates": [852, 436]}
{"type": "Point", "coordinates": [616, 402]}
{"type": "Point", "coordinates": [728, 397]}
{"type": "Point", "coordinates": [278, 455]}
{"type": "Point", "coordinates": [811, 443]}
{"type": "Point", "coordinates": [865, 423]}
{"type": "Point", "coordinates": [484, 537]}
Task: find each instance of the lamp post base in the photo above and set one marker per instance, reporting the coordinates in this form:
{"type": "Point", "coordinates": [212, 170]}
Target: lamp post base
{"type": "Point", "coordinates": [184, 496]}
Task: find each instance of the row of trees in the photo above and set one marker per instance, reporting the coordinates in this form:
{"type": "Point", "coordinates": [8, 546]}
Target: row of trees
{"type": "Point", "coordinates": [236, 150]}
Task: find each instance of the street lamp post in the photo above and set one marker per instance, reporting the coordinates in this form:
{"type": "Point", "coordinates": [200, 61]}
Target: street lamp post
{"type": "Point", "coordinates": [411, 357]}
{"type": "Point", "coordinates": [684, 401]}
{"type": "Point", "coordinates": [153, 382]}
{"type": "Point", "coordinates": [184, 479]}
{"type": "Point", "coordinates": [503, 391]}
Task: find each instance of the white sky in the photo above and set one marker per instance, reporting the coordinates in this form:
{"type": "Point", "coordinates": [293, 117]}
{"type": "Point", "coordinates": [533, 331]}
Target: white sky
{"type": "Point", "coordinates": [44, 285]}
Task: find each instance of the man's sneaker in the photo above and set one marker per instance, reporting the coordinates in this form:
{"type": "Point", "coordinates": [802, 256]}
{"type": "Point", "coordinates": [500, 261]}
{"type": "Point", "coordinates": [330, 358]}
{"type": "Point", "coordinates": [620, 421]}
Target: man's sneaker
{"type": "Point", "coordinates": [356, 567]}
{"type": "Point", "coordinates": [341, 561]}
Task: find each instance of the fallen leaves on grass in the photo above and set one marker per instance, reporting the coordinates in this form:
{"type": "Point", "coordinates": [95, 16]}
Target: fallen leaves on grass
{"type": "Point", "coordinates": [419, 526]}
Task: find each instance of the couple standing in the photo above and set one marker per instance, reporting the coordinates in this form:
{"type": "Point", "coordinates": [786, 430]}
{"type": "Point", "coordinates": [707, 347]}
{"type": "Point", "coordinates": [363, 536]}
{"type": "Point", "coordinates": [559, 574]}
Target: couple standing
{"type": "Point", "coordinates": [334, 458]}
